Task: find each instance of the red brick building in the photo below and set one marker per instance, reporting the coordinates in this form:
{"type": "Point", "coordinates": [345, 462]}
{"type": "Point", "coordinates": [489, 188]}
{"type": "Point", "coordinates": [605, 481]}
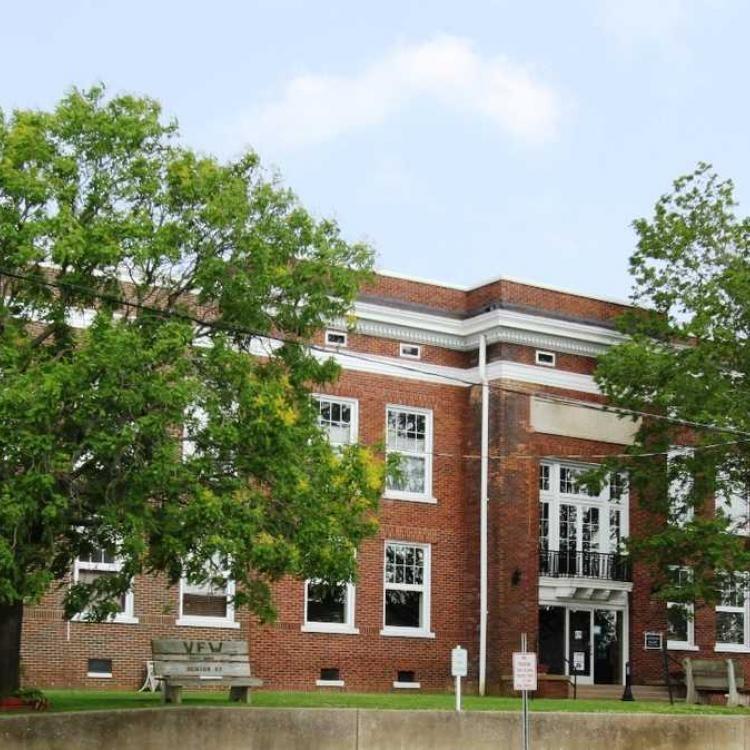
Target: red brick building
{"type": "Point", "coordinates": [484, 391]}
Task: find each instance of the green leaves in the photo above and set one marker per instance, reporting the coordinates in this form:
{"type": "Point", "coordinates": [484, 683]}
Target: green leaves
{"type": "Point", "coordinates": [687, 361]}
{"type": "Point", "coordinates": [136, 277]}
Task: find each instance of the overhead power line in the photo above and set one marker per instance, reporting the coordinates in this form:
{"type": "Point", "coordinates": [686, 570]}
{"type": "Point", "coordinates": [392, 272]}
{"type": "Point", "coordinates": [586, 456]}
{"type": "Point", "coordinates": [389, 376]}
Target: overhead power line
{"type": "Point", "coordinates": [232, 328]}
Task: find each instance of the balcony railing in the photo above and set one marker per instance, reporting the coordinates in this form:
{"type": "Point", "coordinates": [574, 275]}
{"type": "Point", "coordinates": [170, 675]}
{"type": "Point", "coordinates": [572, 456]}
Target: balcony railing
{"type": "Point", "coordinates": [610, 567]}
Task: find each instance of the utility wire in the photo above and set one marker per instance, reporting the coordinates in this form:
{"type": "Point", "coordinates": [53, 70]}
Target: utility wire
{"type": "Point", "coordinates": [243, 331]}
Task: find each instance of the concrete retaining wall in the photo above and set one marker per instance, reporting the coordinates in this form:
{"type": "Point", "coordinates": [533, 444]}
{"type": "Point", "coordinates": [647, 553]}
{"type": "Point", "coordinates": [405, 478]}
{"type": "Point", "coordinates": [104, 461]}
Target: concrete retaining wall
{"type": "Point", "coordinates": [186, 728]}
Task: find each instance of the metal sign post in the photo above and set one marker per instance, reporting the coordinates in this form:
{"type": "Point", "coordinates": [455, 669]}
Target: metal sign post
{"type": "Point", "coordinates": [459, 669]}
{"type": "Point", "coordinates": [524, 679]}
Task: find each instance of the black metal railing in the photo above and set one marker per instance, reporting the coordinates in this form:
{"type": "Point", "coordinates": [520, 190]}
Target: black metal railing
{"type": "Point", "coordinates": [607, 566]}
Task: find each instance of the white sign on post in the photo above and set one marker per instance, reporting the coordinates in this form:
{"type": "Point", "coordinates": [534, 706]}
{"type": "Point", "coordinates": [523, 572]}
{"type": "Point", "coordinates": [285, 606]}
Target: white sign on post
{"type": "Point", "coordinates": [459, 662]}
{"type": "Point", "coordinates": [524, 671]}
{"type": "Point", "coordinates": [459, 669]}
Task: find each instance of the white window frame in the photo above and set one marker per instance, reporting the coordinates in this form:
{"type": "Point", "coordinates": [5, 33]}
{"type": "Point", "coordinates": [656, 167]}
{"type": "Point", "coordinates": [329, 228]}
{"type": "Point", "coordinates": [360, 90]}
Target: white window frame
{"type": "Point", "coordinates": [100, 675]}
{"type": "Point", "coordinates": [333, 332]}
{"type": "Point", "coordinates": [540, 353]}
{"type": "Point", "coordinates": [353, 405]}
{"type": "Point", "coordinates": [743, 647]}
{"type": "Point", "coordinates": [555, 498]}
{"type": "Point", "coordinates": [689, 607]}
{"type": "Point", "coordinates": [347, 627]}
{"type": "Point", "coordinates": [421, 497]}
{"type": "Point", "coordinates": [404, 346]}
{"type": "Point", "coordinates": [423, 631]}
{"type": "Point", "coordinates": [127, 616]}
{"type": "Point", "coordinates": [204, 621]}
{"type": "Point", "coordinates": [726, 502]}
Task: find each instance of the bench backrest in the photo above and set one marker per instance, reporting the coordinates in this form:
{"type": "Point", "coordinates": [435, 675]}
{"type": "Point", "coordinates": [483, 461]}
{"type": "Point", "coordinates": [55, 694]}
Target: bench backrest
{"type": "Point", "coordinates": [714, 674]}
{"type": "Point", "coordinates": [203, 660]}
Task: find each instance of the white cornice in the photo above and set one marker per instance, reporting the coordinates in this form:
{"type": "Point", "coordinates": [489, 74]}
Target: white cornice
{"type": "Point", "coordinates": [498, 325]}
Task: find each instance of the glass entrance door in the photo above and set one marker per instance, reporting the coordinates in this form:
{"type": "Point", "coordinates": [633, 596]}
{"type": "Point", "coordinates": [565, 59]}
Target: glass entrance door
{"type": "Point", "coordinates": [579, 645]}
{"type": "Point", "coordinates": [608, 646]}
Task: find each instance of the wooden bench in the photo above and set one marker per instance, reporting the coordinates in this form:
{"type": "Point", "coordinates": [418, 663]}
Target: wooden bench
{"type": "Point", "coordinates": [710, 676]}
{"type": "Point", "coordinates": [180, 664]}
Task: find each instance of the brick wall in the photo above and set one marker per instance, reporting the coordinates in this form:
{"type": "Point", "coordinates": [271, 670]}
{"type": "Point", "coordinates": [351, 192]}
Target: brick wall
{"type": "Point", "coordinates": [55, 652]}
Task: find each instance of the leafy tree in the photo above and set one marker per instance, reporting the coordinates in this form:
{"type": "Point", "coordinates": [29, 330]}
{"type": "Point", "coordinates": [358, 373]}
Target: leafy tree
{"type": "Point", "coordinates": [139, 283]}
{"type": "Point", "coordinates": [687, 360]}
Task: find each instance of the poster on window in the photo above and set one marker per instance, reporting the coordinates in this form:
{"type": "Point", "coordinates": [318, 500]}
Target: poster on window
{"type": "Point", "coordinates": [579, 661]}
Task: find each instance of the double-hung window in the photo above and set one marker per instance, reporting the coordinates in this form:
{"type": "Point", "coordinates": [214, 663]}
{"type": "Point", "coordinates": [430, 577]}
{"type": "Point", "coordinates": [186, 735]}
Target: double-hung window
{"type": "Point", "coordinates": [208, 603]}
{"type": "Point", "coordinates": [681, 615]}
{"type": "Point", "coordinates": [409, 435]}
{"type": "Point", "coordinates": [731, 616]}
{"type": "Point", "coordinates": [406, 592]}
{"type": "Point", "coordinates": [680, 488]}
{"type": "Point", "coordinates": [97, 564]}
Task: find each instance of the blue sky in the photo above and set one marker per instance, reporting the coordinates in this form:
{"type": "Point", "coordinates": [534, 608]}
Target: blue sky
{"type": "Point", "coordinates": [462, 140]}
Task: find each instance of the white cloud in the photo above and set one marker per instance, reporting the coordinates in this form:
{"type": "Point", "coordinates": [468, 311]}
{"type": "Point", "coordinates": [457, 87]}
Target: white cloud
{"type": "Point", "coordinates": [317, 108]}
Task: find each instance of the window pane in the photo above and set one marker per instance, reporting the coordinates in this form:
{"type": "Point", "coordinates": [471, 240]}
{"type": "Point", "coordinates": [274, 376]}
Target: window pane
{"type": "Point", "coordinates": [543, 477]}
{"type": "Point", "coordinates": [89, 576]}
{"type": "Point", "coordinates": [407, 431]}
{"type": "Point", "coordinates": [403, 608]}
{"type": "Point", "coordinates": [730, 627]}
{"type": "Point", "coordinates": [544, 527]}
{"type": "Point", "coordinates": [326, 603]}
{"type": "Point", "coordinates": [335, 419]}
{"type": "Point", "coordinates": [412, 479]}
{"type": "Point", "coordinates": [204, 605]}
{"type": "Point", "coordinates": [677, 622]}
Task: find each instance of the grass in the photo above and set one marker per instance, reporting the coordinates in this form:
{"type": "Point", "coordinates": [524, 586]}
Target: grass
{"type": "Point", "coordinates": [87, 700]}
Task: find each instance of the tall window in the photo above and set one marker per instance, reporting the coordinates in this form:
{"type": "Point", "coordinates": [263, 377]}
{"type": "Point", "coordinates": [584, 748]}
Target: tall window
{"type": "Point", "coordinates": [680, 487]}
{"type": "Point", "coordinates": [407, 589]}
{"type": "Point", "coordinates": [337, 417]}
{"type": "Point", "coordinates": [579, 526]}
{"type": "Point", "coordinates": [732, 624]}
{"type": "Point", "coordinates": [409, 434]}
{"type": "Point", "coordinates": [329, 608]}
{"type": "Point", "coordinates": [99, 564]}
{"type": "Point", "coordinates": [680, 615]}
{"type": "Point", "coordinates": [208, 603]}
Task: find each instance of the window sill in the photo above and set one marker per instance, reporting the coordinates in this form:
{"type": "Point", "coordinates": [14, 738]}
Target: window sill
{"type": "Point", "coordinates": [681, 646]}
{"type": "Point", "coordinates": [409, 497]}
{"type": "Point", "coordinates": [732, 648]}
{"type": "Point", "coordinates": [116, 620]}
{"type": "Point", "coordinates": [99, 675]}
{"type": "Point", "coordinates": [406, 633]}
{"type": "Point", "coordinates": [207, 622]}
{"type": "Point", "coordinates": [329, 683]}
{"type": "Point", "coordinates": [330, 629]}
{"type": "Point", "coordinates": [407, 685]}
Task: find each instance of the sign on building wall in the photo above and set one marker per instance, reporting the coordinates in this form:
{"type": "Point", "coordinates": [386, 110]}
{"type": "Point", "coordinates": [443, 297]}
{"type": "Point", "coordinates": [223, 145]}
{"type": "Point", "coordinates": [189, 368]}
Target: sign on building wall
{"type": "Point", "coordinates": [652, 641]}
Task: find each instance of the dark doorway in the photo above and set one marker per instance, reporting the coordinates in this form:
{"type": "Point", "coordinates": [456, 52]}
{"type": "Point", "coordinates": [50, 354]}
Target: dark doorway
{"type": "Point", "coordinates": [552, 639]}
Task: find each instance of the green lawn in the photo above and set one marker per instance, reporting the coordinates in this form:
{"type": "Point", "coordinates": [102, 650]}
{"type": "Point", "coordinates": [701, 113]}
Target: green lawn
{"type": "Point", "coordinates": [80, 700]}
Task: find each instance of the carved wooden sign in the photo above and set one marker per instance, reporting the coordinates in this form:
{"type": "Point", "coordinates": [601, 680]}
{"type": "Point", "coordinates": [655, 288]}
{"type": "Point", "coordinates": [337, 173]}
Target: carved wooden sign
{"type": "Point", "coordinates": [204, 660]}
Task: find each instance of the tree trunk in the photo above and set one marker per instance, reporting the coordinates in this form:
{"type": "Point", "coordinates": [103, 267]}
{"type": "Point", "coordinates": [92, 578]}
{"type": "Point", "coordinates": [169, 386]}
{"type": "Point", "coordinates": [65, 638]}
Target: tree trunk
{"type": "Point", "coordinates": [11, 619]}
